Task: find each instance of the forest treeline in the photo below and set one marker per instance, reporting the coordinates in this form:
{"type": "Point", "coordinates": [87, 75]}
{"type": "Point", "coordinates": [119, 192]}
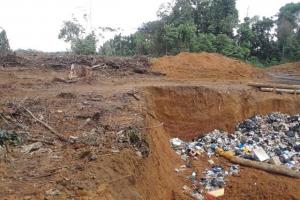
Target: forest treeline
{"type": "Point", "coordinates": [213, 26]}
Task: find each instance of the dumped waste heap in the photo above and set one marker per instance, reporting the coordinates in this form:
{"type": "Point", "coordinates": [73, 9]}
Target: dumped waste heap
{"type": "Point", "coordinates": [274, 138]}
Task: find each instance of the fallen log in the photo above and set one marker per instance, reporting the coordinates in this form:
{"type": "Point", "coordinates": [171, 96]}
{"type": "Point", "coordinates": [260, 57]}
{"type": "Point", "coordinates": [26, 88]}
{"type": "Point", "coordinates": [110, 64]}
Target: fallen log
{"type": "Point", "coordinates": [291, 91]}
{"type": "Point", "coordinates": [279, 86]}
{"type": "Point", "coordinates": [258, 165]}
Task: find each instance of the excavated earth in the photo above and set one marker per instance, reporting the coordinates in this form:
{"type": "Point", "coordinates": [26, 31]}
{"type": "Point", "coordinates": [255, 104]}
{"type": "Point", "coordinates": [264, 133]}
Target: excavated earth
{"type": "Point", "coordinates": [157, 107]}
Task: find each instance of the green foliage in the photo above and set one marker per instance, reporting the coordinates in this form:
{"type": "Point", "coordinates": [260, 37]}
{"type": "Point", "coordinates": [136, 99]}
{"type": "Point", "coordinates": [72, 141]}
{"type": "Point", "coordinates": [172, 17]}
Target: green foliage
{"type": "Point", "coordinates": [71, 31]}
{"type": "Point", "coordinates": [224, 17]}
{"type": "Point", "coordinates": [205, 42]}
{"type": "Point", "coordinates": [212, 26]}
{"type": "Point", "coordinates": [288, 31]}
{"type": "Point", "coordinates": [4, 43]}
{"type": "Point", "coordinates": [80, 41]}
{"type": "Point", "coordinates": [85, 46]}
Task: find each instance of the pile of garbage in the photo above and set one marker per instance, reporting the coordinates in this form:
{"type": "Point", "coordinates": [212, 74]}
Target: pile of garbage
{"type": "Point", "coordinates": [274, 138]}
{"type": "Point", "coordinates": [214, 179]}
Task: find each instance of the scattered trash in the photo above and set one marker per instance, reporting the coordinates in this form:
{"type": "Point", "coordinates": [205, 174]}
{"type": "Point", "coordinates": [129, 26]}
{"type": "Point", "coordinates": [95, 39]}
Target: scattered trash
{"type": "Point", "coordinates": [132, 136]}
{"type": "Point", "coordinates": [115, 151]}
{"type": "Point", "coordinates": [197, 196]}
{"type": "Point", "coordinates": [73, 139]}
{"type": "Point", "coordinates": [211, 162]}
{"type": "Point", "coordinates": [186, 188]}
{"type": "Point", "coordinates": [260, 154]}
{"type": "Point", "coordinates": [176, 142]}
{"type": "Point", "coordinates": [215, 194]}
{"type": "Point", "coordinates": [180, 169]}
{"type": "Point", "coordinates": [214, 178]}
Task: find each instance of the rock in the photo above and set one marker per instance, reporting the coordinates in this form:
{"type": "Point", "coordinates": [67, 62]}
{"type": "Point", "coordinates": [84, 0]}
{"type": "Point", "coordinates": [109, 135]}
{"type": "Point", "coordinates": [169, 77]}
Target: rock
{"type": "Point", "coordinates": [32, 147]}
{"type": "Point", "coordinates": [53, 192]}
{"type": "Point", "coordinates": [92, 157]}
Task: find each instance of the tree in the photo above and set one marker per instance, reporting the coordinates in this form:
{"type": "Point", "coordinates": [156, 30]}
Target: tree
{"type": "Point", "coordinates": [86, 45]}
{"type": "Point", "coordinates": [263, 44]}
{"type": "Point", "coordinates": [216, 16]}
{"type": "Point", "coordinates": [4, 43]}
{"type": "Point", "coordinates": [212, 26]}
{"type": "Point", "coordinates": [170, 39]}
{"type": "Point", "coordinates": [205, 42]}
{"type": "Point", "coordinates": [80, 41]}
{"type": "Point", "coordinates": [182, 12]}
{"type": "Point", "coordinates": [71, 31]}
{"type": "Point", "coordinates": [288, 29]}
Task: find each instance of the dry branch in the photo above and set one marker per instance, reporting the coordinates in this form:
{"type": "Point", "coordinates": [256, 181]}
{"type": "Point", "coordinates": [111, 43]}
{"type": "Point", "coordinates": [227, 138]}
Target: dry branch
{"type": "Point", "coordinates": [52, 130]}
{"type": "Point", "coordinates": [279, 86]}
{"type": "Point", "coordinates": [291, 91]}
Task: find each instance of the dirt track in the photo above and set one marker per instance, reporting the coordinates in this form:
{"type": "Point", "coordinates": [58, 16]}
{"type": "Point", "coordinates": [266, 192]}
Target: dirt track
{"type": "Point", "coordinates": [185, 107]}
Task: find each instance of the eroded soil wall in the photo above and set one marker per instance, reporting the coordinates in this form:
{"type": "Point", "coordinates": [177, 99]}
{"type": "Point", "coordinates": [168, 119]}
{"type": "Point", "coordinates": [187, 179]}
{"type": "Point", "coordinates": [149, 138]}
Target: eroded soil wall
{"type": "Point", "coordinates": [187, 111]}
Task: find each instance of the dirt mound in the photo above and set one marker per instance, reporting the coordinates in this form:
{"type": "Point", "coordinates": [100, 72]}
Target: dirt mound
{"type": "Point", "coordinates": [202, 66]}
{"type": "Point", "coordinates": [286, 68]}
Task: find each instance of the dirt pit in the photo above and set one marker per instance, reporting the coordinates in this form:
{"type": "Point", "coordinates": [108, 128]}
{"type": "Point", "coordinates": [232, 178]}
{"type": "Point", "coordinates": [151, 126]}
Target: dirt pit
{"type": "Point", "coordinates": [188, 111]}
{"type": "Point", "coordinates": [114, 101]}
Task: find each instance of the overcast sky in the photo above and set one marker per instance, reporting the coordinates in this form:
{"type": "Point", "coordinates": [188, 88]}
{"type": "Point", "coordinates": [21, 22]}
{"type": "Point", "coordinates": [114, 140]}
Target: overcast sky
{"type": "Point", "coordinates": [35, 24]}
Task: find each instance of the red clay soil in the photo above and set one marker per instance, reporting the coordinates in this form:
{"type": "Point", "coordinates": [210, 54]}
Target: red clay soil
{"type": "Point", "coordinates": [188, 111]}
{"type": "Point", "coordinates": [203, 66]}
{"type": "Point", "coordinates": [185, 109]}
